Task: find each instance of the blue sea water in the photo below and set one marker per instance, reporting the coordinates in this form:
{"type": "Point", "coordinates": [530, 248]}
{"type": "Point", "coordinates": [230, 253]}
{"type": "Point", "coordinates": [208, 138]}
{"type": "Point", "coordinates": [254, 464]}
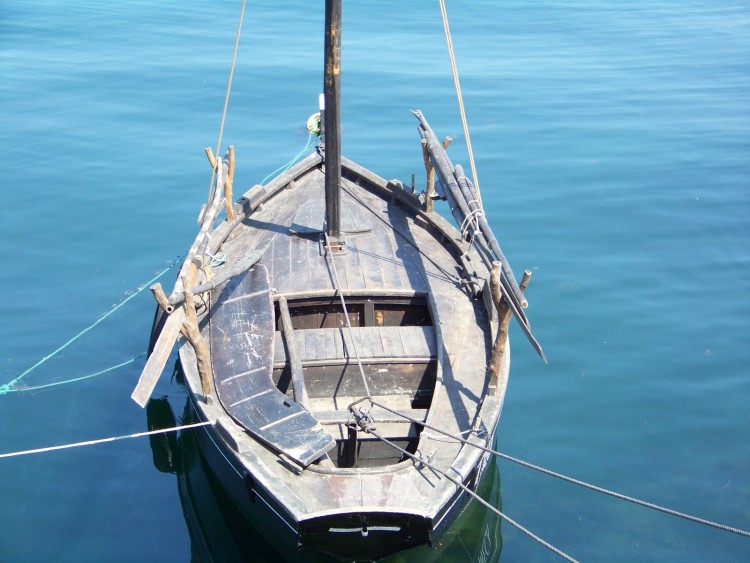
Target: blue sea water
{"type": "Point", "coordinates": [612, 142]}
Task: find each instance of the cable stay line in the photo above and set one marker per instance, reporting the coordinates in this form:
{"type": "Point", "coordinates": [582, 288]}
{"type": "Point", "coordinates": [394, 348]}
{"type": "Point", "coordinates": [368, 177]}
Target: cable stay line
{"type": "Point", "coordinates": [596, 488]}
{"type": "Point", "coordinates": [105, 440]}
{"type": "Point", "coordinates": [364, 421]}
{"type": "Point", "coordinates": [459, 97]}
{"type": "Point", "coordinates": [337, 288]}
{"type": "Point", "coordinates": [211, 185]}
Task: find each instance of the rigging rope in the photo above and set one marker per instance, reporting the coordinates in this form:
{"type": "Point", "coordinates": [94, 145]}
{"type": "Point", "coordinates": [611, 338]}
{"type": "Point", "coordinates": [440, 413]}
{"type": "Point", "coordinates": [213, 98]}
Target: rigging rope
{"type": "Point", "coordinates": [408, 241]}
{"type": "Point", "coordinates": [211, 185]}
{"type": "Point", "coordinates": [460, 98]}
{"type": "Point", "coordinates": [329, 252]}
{"type": "Point", "coordinates": [566, 478]}
{"type": "Point", "coordinates": [104, 440]}
{"type": "Point", "coordinates": [370, 429]}
{"type": "Point", "coordinates": [625, 497]}
{"type": "Point", "coordinates": [9, 387]}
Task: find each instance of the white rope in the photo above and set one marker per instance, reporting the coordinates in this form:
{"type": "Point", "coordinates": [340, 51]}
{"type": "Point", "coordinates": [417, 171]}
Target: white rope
{"type": "Point", "coordinates": [474, 215]}
{"type": "Point", "coordinates": [103, 440]}
{"type": "Point", "coordinates": [453, 439]}
{"type": "Point", "coordinates": [461, 109]}
{"type": "Point", "coordinates": [473, 494]}
{"type": "Point", "coordinates": [211, 184]}
{"type": "Point", "coordinates": [614, 494]}
{"type": "Point", "coordinates": [329, 252]}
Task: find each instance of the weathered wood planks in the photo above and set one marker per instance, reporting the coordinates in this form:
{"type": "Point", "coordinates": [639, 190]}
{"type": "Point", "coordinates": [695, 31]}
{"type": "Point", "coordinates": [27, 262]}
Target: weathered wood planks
{"type": "Point", "coordinates": [242, 327]}
{"type": "Point", "coordinates": [335, 344]}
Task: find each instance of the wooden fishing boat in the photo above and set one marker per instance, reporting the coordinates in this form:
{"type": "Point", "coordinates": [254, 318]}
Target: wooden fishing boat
{"type": "Point", "coordinates": [345, 321]}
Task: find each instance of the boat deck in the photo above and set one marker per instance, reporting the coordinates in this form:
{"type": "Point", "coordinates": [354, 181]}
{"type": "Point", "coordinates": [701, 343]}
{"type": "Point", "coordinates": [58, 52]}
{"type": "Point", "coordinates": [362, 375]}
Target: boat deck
{"type": "Point", "coordinates": [393, 253]}
{"type": "Point", "coordinates": [383, 259]}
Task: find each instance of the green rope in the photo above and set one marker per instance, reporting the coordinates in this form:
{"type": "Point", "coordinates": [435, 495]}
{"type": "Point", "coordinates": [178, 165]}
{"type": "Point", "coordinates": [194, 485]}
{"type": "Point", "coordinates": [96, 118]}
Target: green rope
{"type": "Point", "coordinates": [289, 164]}
{"type": "Point", "coordinates": [10, 386]}
{"type": "Point", "coordinates": [3, 391]}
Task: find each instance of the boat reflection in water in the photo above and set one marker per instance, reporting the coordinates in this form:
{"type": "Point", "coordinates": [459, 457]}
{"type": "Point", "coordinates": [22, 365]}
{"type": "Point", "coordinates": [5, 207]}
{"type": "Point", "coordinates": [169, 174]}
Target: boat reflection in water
{"type": "Point", "coordinates": [219, 531]}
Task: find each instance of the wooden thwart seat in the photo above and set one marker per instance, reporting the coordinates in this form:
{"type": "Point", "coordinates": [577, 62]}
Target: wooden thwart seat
{"type": "Point", "coordinates": [343, 416]}
{"type": "Point", "coordinates": [376, 344]}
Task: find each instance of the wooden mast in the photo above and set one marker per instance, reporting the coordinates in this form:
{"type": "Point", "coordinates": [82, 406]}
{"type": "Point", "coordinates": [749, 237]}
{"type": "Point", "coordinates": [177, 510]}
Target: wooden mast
{"type": "Point", "coordinates": [332, 118]}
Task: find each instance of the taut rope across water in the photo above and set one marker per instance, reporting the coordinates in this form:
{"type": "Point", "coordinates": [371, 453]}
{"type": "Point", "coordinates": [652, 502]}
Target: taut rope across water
{"type": "Point", "coordinates": [614, 494]}
{"type": "Point", "coordinates": [104, 440]}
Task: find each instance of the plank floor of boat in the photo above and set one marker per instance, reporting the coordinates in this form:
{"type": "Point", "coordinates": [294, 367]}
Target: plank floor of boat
{"type": "Point", "coordinates": [372, 342]}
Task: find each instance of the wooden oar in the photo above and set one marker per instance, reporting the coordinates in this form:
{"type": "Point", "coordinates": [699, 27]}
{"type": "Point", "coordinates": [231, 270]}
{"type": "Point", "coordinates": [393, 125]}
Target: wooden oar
{"type": "Point", "coordinates": [463, 207]}
{"type": "Point", "coordinates": [158, 358]}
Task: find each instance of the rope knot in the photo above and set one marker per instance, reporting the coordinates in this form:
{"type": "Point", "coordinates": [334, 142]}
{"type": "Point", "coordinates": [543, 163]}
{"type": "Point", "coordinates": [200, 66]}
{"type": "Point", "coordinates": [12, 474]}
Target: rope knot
{"type": "Point", "coordinates": [362, 420]}
{"type": "Point", "coordinates": [425, 459]}
{"type": "Point", "coordinates": [471, 221]}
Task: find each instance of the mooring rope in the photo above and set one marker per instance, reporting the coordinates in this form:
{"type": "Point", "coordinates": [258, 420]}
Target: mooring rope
{"type": "Point", "coordinates": [459, 96]}
{"type": "Point", "coordinates": [211, 185]}
{"type": "Point", "coordinates": [104, 440]}
{"type": "Point", "coordinates": [370, 430]}
{"type": "Point", "coordinates": [625, 497]}
{"type": "Point", "coordinates": [288, 165]}
{"type": "Point", "coordinates": [73, 380]}
{"type": "Point", "coordinates": [10, 386]}
{"type": "Point", "coordinates": [565, 477]}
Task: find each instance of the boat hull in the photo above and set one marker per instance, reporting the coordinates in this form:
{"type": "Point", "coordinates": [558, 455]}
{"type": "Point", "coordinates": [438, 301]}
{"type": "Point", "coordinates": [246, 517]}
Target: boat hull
{"type": "Point", "coordinates": [354, 535]}
{"type": "Point", "coordinates": [424, 338]}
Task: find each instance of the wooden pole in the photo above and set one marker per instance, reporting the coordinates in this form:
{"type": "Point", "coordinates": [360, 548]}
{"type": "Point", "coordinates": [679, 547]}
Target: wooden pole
{"type": "Point", "coordinates": [525, 280]}
{"type": "Point", "coordinates": [461, 201]}
{"type": "Point", "coordinates": [161, 298]}
{"type": "Point", "coordinates": [211, 157]}
{"type": "Point", "coordinates": [295, 363]}
{"type": "Point", "coordinates": [457, 189]}
{"type": "Point", "coordinates": [504, 315]}
{"type": "Point", "coordinates": [195, 338]}
{"type": "Point", "coordinates": [239, 267]}
{"type": "Point", "coordinates": [501, 338]}
{"type": "Point", "coordinates": [158, 358]}
{"type": "Point", "coordinates": [484, 228]}
{"type": "Point", "coordinates": [332, 117]}
{"type": "Point", "coordinates": [228, 185]}
{"type": "Point", "coordinates": [429, 204]}
{"type": "Point", "coordinates": [163, 302]}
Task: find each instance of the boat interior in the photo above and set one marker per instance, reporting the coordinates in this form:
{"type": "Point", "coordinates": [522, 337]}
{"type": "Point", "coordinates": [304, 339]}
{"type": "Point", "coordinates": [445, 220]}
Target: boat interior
{"type": "Point", "coordinates": [394, 341]}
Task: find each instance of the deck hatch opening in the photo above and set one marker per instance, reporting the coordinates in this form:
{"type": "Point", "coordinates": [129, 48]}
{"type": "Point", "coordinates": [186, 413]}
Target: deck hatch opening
{"type": "Point", "coordinates": [384, 311]}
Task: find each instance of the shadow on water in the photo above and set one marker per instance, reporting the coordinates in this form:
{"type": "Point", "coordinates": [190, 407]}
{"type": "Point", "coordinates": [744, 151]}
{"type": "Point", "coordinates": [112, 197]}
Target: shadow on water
{"type": "Point", "coordinates": [220, 532]}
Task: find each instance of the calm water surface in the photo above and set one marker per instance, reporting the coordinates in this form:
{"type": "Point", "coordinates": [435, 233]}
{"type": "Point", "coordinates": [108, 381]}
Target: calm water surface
{"type": "Point", "coordinates": [613, 148]}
